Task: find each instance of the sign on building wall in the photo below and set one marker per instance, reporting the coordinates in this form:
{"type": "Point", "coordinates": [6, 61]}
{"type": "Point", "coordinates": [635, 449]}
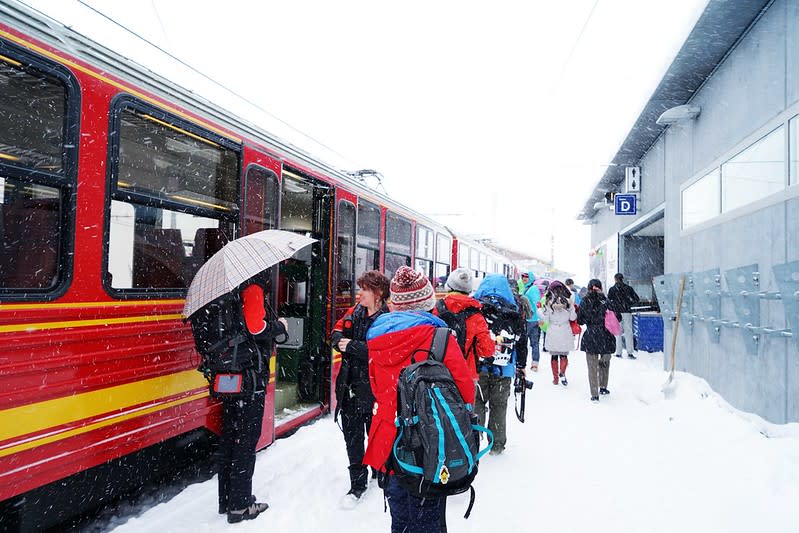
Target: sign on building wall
{"type": "Point", "coordinates": [625, 204]}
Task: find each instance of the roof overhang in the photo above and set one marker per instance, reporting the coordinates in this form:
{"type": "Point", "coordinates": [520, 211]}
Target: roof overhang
{"type": "Point", "coordinates": [715, 34]}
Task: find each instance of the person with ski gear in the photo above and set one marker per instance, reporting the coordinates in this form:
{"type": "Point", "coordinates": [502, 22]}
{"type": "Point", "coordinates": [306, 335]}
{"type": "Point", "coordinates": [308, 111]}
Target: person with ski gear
{"type": "Point", "coordinates": [406, 331]}
{"type": "Point", "coordinates": [462, 314]}
{"type": "Point", "coordinates": [496, 375]}
{"type": "Point", "coordinates": [598, 343]}
{"type": "Point", "coordinates": [353, 393]}
{"type": "Point", "coordinates": [242, 416]}
{"type": "Point", "coordinates": [622, 297]}
{"type": "Point", "coordinates": [533, 294]}
{"type": "Point", "coordinates": [558, 311]}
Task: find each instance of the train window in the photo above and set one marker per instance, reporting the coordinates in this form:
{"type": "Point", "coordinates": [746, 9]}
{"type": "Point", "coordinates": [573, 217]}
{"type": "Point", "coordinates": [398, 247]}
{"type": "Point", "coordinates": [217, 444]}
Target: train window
{"type": "Point", "coordinates": [367, 251]}
{"type": "Point", "coordinates": [345, 249]}
{"type": "Point", "coordinates": [296, 204]}
{"type": "Point", "coordinates": [153, 248]}
{"type": "Point", "coordinates": [474, 259]}
{"type": "Point", "coordinates": [163, 159]}
{"type": "Point", "coordinates": [398, 243]}
{"type": "Point", "coordinates": [260, 200]}
{"type": "Point", "coordinates": [463, 255]}
{"type": "Point", "coordinates": [32, 111]}
{"type": "Point", "coordinates": [173, 200]}
{"type": "Point", "coordinates": [39, 106]}
{"type": "Point", "coordinates": [441, 273]}
{"type": "Point", "coordinates": [30, 233]}
{"type": "Point", "coordinates": [443, 249]}
{"type": "Point", "coordinates": [424, 243]}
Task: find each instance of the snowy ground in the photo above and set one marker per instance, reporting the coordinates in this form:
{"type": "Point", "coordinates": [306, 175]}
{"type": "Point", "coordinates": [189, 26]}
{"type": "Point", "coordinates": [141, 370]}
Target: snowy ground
{"type": "Point", "coordinates": [636, 462]}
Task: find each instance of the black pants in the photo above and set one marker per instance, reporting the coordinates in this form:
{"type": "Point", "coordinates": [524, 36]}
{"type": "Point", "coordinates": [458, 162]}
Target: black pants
{"type": "Point", "coordinates": [241, 429]}
{"type": "Point", "coordinates": [355, 425]}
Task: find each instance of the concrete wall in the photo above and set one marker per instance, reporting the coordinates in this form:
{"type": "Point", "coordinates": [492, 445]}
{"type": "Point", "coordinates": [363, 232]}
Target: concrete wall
{"type": "Point", "coordinates": [751, 92]}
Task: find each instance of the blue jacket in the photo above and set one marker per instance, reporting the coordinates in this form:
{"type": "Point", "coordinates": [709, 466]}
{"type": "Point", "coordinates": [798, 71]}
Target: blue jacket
{"type": "Point", "coordinates": [497, 285]}
{"type": "Point", "coordinates": [533, 294]}
{"type": "Point", "coordinates": [400, 320]}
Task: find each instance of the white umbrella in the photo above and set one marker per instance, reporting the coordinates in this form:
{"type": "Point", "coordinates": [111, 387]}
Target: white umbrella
{"type": "Point", "coordinates": [238, 261]}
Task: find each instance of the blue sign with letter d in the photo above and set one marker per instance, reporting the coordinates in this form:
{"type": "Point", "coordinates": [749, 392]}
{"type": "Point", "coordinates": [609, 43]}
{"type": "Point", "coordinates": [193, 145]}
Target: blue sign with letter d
{"type": "Point", "coordinates": [625, 204]}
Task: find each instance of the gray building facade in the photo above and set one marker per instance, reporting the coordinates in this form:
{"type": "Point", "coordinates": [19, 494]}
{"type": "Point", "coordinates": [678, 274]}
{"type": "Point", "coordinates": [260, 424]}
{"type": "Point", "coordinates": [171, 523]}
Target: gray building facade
{"type": "Point", "coordinates": [718, 204]}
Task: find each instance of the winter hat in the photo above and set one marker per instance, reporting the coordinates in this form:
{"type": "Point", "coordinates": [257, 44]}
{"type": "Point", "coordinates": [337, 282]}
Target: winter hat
{"type": "Point", "coordinates": [460, 280]}
{"type": "Point", "coordinates": [411, 291]}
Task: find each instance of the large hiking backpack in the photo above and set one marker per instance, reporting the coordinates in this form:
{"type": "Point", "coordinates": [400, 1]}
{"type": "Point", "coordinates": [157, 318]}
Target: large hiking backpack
{"type": "Point", "coordinates": [503, 321]}
{"type": "Point", "coordinates": [456, 321]}
{"type": "Point", "coordinates": [221, 336]}
{"type": "Point", "coordinates": [436, 451]}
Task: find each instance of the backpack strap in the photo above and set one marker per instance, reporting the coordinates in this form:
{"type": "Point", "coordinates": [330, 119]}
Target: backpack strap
{"type": "Point", "coordinates": [439, 345]}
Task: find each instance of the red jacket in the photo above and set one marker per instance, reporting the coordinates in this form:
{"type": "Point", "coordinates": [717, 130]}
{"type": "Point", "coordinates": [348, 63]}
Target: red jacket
{"type": "Point", "coordinates": [392, 339]}
{"type": "Point", "coordinates": [478, 337]}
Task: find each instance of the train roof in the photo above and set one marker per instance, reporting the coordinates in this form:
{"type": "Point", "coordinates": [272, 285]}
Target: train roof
{"type": "Point", "coordinates": [57, 35]}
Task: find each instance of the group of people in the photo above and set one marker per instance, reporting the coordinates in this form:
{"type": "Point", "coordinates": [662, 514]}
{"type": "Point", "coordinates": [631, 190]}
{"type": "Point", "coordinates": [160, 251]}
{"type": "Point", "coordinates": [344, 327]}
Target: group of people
{"type": "Point", "coordinates": [397, 319]}
{"type": "Point", "coordinates": [560, 314]}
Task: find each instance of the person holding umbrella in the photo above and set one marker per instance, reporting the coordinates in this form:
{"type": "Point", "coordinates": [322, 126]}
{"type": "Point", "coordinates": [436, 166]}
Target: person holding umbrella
{"type": "Point", "coordinates": [235, 330]}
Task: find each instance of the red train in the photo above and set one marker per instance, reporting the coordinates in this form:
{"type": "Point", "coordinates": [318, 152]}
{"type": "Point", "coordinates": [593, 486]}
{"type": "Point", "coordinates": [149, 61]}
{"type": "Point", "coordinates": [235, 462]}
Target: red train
{"type": "Point", "coordinates": [115, 186]}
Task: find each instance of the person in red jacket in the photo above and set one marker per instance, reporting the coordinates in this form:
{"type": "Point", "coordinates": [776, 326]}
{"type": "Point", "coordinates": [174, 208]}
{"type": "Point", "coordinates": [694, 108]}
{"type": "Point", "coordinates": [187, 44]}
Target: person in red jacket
{"type": "Point", "coordinates": [477, 339]}
{"type": "Point", "coordinates": [391, 340]}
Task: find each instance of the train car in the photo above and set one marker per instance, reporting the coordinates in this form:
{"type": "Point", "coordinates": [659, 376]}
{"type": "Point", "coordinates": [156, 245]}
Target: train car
{"type": "Point", "coordinates": [116, 185]}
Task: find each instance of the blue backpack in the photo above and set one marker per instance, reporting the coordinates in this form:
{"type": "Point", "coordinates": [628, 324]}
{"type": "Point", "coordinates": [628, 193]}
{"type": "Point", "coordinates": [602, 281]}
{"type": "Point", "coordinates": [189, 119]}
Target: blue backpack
{"type": "Point", "coordinates": [436, 452]}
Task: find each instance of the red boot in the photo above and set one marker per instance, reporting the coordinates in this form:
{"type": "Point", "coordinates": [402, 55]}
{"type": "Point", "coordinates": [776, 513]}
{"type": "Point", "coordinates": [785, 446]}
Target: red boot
{"type": "Point", "coordinates": [564, 362]}
{"type": "Point", "coordinates": [554, 365]}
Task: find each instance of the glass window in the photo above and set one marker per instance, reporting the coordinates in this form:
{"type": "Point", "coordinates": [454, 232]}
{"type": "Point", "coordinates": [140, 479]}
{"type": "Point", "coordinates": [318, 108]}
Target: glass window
{"type": "Point", "coordinates": [474, 259]}
{"type": "Point", "coordinates": [702, 199]}
{"type": "Point", "coordinates": [175, 200]}
{"type": "Point", "coordinates": [32, 112]}
{"type": "Point", "coordinates": [296, 205]}
{"type": "Point", "coordinates": [155, 248]}
{"type": "Point", "coordinates": [441, 274]}
{"type": "Point", "coordinates": [260, 200]}
{"type": "Point", "coordinates": [398, 234]}
{"type": "Point", "coordinates": [393, 262]}
{"type": "Point", "coordinates": [38, 134]}
{"type": "Point", "coordinates": [368, 225]}
{"type": "Point", "coordinates": [425, 267]}
{"type": "Point", "coordinates": [463, 255]}
{"type": "Point", "coordinates": [161, 158]}
{"type": "Point", "coordinates": [424, 242]}
{"type": "Point", "coordinates": [443, 249]}
{"type": "Point", "coordinates": [757, 171]}
{"type": "Point", "coordinates": [30, 233]}
{"type": "Point", "coordinates": [345, 249]}
{"type": "Point", "coordinates": [794, 150]}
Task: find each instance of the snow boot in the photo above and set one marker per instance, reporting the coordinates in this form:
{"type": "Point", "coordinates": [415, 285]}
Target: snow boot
{"type": "Point", "coordinates": [603, 390]}
{"type": "Point", "coordinates": [352, 499]}
{"type": "Point", "coordinates": [554, 365]}
{"type": "Point", "coordinates": [534, 366]}
{"type": "Point", "coordinates": [564, 363]}
{"type": "Point", "coordinates": [248, 513]}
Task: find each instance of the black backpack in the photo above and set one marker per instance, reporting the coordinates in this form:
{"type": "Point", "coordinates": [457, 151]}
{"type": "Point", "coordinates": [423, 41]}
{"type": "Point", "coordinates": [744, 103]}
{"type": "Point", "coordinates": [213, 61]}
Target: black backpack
{"type": "Point", "coordinates": [436, 451]}
{"type": "Point", "coordinates": [456, 321]}
{"type": "Point", "coordinates": [503, 320]}
{"type": "Point", "coordinates": [221, 336]}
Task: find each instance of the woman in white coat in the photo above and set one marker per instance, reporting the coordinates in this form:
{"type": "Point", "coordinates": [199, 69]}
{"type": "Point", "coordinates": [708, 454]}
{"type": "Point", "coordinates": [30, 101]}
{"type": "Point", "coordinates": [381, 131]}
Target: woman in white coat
{"type": "Point", "coordinates": [558, 311]}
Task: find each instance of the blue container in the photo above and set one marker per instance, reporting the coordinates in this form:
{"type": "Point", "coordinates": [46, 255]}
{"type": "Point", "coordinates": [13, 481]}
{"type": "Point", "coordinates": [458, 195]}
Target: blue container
{"type": "Point", "coordinates": [648, 332]}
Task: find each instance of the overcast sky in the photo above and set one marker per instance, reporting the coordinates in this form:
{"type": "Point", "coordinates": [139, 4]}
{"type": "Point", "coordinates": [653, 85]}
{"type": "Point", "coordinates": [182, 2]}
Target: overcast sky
{"type": "Point", "coordinates": [494, 117]}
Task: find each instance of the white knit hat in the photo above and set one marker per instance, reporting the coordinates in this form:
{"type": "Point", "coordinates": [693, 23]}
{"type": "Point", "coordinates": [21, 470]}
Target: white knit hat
{"type": "Point", "coordinates": [460, 280]}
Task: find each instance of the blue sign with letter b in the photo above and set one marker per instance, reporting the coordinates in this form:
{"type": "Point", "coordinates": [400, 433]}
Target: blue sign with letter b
{"type": "Point", "coordinates": [625, 204]}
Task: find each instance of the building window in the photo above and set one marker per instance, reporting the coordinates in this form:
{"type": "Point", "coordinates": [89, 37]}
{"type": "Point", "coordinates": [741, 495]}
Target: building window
{"type": "Point", "coordinates": [701, 200]}
{"type": "Point", "coordinates": [794, 150]}
{"type": "Point", "coordinates": [754, 173]}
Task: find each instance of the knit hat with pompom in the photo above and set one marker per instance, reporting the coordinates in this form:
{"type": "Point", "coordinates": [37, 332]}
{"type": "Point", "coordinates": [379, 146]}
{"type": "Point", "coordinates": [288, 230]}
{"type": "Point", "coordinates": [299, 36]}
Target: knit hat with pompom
{"type": "Point", "coordinates": [411, 291]}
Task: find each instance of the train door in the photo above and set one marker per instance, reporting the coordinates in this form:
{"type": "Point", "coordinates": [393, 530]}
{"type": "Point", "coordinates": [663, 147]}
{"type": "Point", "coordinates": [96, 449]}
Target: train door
{"type": "Point", "coordinates": [261, 194]}
{"type": "Point", "coordinates": [303, 362]}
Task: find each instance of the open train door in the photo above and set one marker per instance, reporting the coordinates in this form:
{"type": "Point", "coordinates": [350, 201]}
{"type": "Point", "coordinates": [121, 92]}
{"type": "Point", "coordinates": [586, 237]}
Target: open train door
{"type": "Point", "coordinates": [303, 362]}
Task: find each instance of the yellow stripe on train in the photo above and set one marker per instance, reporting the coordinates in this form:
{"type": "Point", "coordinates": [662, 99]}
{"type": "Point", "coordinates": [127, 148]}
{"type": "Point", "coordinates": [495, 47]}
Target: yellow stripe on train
{"type": "Point", "coordinates": [40, 326]}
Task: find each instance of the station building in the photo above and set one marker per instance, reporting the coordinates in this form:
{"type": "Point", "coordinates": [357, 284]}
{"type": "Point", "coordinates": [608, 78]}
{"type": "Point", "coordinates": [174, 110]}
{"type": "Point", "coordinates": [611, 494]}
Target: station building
{"type": "Point", "coordinates": [712, 164]}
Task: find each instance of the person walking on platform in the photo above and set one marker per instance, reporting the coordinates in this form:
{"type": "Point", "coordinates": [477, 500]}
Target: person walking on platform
{"type": "Point", "coordinates": [558, 311]}
{"type": "Point", "coordinates": [598, 343]}
{"type": "Point", "coordinates": [622, 297]}
{"type": "Point", "coordinates": [353, 393]}
{"type": "Point", "coordinates": [533, 295]}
